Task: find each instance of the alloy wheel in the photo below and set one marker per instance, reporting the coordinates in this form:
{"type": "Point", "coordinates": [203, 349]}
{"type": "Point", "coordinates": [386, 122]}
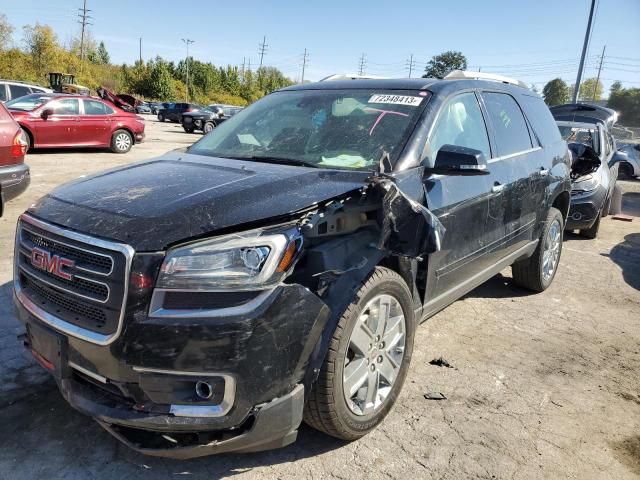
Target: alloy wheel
{"type": "Point", "coordinates": [374, 355]}
{"type": "Point", "coordinates": [123, 142]}
{"type": "Point", "coordinates": [551, 253]}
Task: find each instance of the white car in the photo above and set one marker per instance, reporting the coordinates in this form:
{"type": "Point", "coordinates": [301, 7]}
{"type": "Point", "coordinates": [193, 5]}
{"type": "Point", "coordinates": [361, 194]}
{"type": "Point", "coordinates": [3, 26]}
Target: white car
{"type": "Point", "coordinates": [10, 89]}
{"type": "Point", "coordinates": [630, 166]}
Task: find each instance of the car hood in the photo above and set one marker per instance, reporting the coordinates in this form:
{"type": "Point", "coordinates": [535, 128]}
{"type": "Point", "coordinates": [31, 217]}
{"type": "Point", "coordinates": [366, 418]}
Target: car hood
{"type": "Point", "coordinates": [153, 204]}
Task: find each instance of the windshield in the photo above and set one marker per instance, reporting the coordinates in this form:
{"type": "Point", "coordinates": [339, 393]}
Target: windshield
{"type": "Point", "coordinates": [585, 136]}
{"type": "Point", "coordinates": [343, 129]}
{"type": "Point", "coordinates": [28, 102]}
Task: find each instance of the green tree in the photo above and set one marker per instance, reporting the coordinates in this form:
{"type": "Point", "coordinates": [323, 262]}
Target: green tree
{"type": "Point", "coordinates": [440, 65]}
{"type": "Point", "coordinates": [616, 87]}
{"type": "Point", "coordinates": [555, 92]}
{"type": "Point", "coordinates": [160, 84]}
{"type": "Point", "coordinates": [591, 89]}
{"type": "Point", "coordinates": [42, 44]}
{"type": "Point", "coordinates": [102, 55]}
{"type": "Point", "coordinates": [6, 31]}
{"type": "Point", "coordinates": [627, 102]}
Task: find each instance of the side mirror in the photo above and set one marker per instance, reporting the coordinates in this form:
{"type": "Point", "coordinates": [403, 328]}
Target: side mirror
{"type": "Point", "coordinates": [46, 113]}
{"type": "Point", "coordinates": [455, 160]}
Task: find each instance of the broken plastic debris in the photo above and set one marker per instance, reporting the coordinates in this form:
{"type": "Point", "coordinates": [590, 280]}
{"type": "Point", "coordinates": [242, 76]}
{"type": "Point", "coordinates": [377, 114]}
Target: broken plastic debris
{"type": "Point", "coordinates": [435, 396]}
{"type": "Point", "coordinates": [440, 362]}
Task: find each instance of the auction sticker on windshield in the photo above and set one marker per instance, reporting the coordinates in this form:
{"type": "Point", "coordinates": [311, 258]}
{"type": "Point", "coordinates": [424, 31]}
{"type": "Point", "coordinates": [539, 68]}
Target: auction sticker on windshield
{"type": "Point", "coordinates": [396, 99]}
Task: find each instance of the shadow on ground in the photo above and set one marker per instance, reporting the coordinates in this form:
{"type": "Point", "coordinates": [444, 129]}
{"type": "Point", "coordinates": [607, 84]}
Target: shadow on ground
{"type": "Point", "coordinates": [626, 255]}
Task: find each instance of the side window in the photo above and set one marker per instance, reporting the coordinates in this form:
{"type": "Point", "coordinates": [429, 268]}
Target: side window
{"type": "Point", "coordinates": [93, 107]}
{"type": "Point", "coordinates": [541, 119]}
{"type": "Point", "coordinates": [3, 92]}
{"type": "Point", "coordinates": [67, 106]}
{"type": "Point", "coordinates": [512, 134]}
{"type": "Point", "coordinates": [19, 91]}
{"type": "Point", "coordinates": [460, 123]}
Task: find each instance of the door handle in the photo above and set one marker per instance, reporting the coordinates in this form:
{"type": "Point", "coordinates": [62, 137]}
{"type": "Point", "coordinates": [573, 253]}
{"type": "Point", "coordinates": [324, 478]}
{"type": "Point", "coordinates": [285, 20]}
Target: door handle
{"type": "Point", "coordinates": [544, 171]}
{"type": "Point", "coordinates": [497, 187]}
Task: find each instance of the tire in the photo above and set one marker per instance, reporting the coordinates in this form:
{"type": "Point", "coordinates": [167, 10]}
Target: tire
{"type": "Point", "coordinates": [160, 117]}
{"type": "Point", "coordinates": [531, 273]}
{"type": "Point", "coordinates": [625, 171]}
{"type": "Point", "coordinates": [121, 141]}
{"type": "Point", "coordinates": [208, 127]}
{"type": "Point", "coordinates": [592, 232]}
{"type": "Point", "coordinates": [188, 129]}
{"type": "Point", "coordinates": [328, 409]}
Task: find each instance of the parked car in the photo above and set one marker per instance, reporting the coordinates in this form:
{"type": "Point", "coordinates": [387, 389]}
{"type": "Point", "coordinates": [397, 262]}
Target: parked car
{"type": "Point", "coordinates": [156, 107]}
{"type": "Point", "coordinates": [14, 173]}
{"type": "Point", "coordinates": [173, 111]}
{"type": "Point", "coordinates": [208, 118]}
{"type": "Point", "coordinates": [10, 89]}
{"type": "Point", "coordinates": [629, 166]}
{"type": "Point", "coordinates": [209, 300]}
{"type": "Point", "coordinates": [61, 120]}
{"type": "Point", "coordinates": [593, 183]}
{"type": "Point", "coordinates": [143, 107]}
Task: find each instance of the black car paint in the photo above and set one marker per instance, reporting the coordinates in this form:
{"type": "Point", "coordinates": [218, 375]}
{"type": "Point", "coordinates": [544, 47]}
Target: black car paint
{"type": "Point", "coordinates": [154, 205]}
{"type": "Point", "coordinates": [174, 111]}
{"type": "Point", "coordinates": [192, 121]}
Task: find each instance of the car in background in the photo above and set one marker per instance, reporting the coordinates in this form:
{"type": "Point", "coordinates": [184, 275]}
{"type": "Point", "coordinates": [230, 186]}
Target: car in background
{"type": "Point", "coordinates": [208, 118]}
{"type": "Point", "coordinates": [143, 107]}
{"type": "Point", "coordinates": [10, 89]}
{"type": "Point", "coordinates": [593, 175]}
{"type": "Point", "coordinates": [156, 107]}
{"type": "Point", "coordinates": [173, 111]}
{"type": "Point", "coordinates": [62, 120]}
{"type": "Point", "coordinates": [629, 166]}
{"type": "Point", "coordinates": [14, 173]}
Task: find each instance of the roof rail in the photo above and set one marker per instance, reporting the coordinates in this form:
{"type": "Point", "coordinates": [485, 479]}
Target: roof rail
{"type": "Point", "coordinates": [461, 74]}
{"type": "Point", "coordinates": [351, 76]}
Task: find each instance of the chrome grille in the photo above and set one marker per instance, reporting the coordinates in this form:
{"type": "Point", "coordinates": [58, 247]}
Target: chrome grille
{"type": "Point", "coordinates": [87, 298]}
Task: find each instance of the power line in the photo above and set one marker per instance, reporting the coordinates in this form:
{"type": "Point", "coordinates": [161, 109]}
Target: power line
{"type": "Point", "coordinates": [84, 21]}
{"type": "Point", "coordinates": [362, 64]}
{"type": "Point", "coordinates": [305, 59]}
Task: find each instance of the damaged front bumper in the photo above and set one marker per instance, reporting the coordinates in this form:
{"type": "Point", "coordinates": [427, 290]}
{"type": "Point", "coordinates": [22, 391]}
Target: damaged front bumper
{"type": "Point", "coordinates": [135, 387]}
{"type": "Point", "coordinates": [585, 208]}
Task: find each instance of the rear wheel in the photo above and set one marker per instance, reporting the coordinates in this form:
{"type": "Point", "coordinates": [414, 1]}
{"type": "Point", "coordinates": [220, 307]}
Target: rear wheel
{"type": "Point", "coordinates": [625, 170]}
{"type": "Point", "coordinates": [160, 117]}
{"type": "Point", "coordinates": [208, 127]}
{"type": "Point", "coordinates": [537, 272]}
{"type": "Point", "coordinates": [367, 360]}
{"type": "Point", "coordinates": [121, 141]}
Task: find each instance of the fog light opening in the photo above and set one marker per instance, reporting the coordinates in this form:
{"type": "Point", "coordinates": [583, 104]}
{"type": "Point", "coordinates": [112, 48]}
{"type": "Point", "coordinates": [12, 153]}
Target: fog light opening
{"type": "Point", "coordinates": [204, 390]}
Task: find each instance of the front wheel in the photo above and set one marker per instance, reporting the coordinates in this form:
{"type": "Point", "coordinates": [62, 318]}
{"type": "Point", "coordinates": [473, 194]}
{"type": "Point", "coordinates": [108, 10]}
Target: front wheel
{"type": "Point", "coordinates": [537, 272]}
{"type": "Point", "coordinates": [367, 360]}
{"type": "Point", "coordinates": [208, 127]}
{"type": "Point", "coordinates": [121, 141]}
{"type": "Point", "coordinates": [188, 129]}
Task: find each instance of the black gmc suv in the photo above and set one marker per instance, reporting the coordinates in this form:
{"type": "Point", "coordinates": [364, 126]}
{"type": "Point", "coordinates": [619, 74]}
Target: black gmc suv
{"type": "Point", "coordinates": [212, 299]}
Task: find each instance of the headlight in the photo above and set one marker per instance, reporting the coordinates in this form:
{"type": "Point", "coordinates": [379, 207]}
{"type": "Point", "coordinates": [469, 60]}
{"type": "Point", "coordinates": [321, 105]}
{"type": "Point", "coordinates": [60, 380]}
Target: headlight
{"type": "Point", "coordinates": [244, 261]}
{"type": "Point", "coordinates": [586, 183]}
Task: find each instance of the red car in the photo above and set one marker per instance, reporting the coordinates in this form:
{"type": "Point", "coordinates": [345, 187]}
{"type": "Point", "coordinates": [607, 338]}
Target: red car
{"type": "Point", "coordinates": [14, 174]}
{"type": "Point", "coordinates": [59, 120]}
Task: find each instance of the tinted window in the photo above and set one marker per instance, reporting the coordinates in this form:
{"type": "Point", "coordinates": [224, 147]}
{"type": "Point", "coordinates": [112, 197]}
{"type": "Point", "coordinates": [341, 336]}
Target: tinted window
{"type": "Point", "coordinates": [540, 119]}
{"type": "Point", "coordinates": [19, 91]}
{"type": "Point", "coordinates": [512, 134]}
{"type": "Point", "coordinates": [93, 107]}
{"type": "Point", "coordinates": [460, 123]}
{"type": "Point", "coordinates": [3, 93]}
{"type": "Point", "coordinates": [67, 106]}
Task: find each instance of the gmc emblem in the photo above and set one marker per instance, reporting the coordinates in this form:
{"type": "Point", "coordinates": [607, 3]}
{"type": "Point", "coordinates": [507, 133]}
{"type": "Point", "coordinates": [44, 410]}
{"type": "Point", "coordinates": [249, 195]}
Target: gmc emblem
{"type": "Point", "coordinates": [54, 264]}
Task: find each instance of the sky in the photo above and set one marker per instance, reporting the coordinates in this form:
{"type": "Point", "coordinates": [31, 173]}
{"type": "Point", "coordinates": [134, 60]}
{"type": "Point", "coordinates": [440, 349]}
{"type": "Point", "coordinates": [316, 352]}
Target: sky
{"type": "Point", "coordinates": [533, 41]}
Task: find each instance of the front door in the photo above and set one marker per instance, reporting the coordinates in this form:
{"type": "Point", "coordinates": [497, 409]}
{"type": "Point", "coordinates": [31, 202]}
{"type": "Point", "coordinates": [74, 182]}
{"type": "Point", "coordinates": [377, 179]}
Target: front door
{"type": "Point", "coordinates": [61, 126]}
{"type": "Point", "coordinates": [461, 203]}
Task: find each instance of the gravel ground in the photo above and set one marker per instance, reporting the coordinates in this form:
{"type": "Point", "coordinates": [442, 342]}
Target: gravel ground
{"type": "Point", "coordinates": [542, 386]}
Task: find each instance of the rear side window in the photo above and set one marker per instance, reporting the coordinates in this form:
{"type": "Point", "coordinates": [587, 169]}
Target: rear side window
{"type": "Point", "coordinates": [93, 107]}
{"type": "Point", "coordinates": [541, 119]}
{"type": "Point", "coordinates": [509, 125]}
{"type": "Point", "coordinates": [19, 91]}
{"type": "Point", "coordinates": [67, 106]}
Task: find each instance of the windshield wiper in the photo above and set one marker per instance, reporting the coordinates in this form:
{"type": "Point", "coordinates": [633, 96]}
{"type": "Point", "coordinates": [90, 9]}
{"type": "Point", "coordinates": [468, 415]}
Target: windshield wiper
{"type": "Point", "coordinates": [279, 160]}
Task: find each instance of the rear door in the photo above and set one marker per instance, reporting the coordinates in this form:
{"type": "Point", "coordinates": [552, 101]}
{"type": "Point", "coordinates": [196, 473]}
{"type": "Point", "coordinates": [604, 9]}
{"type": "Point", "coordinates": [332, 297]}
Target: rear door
{"type": "Point", "coordinates": [94, 127]}
{"type": "Point", "coordinates": [18, 90]}
{"type": "Point", "coordinates": [60, 129]}
{"type": "Point", "coordinates": [461, 203]}
{"type": "Point", "coordinates": [516, 171]}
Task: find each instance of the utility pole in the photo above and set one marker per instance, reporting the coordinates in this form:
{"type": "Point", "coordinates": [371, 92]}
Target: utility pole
{"type": "Point", "coordinates": [362, 64]}
{"type": "Point", "coordinates": [84, 22]}
{"type": "Point", "coordinates": [187, 42]}
{"type": "Point", "coordinates": [595, 87]}
{"type": "Point", "coordinates": [262, 49]}
{"type": "Point", "coordinates": [140, 49]}
{"type": "Point", "coordinates": [305, 58]}
{"type": "Point", "coordinates": [576, 90]}
{"type": "Point", "coordinates": [410, 64]}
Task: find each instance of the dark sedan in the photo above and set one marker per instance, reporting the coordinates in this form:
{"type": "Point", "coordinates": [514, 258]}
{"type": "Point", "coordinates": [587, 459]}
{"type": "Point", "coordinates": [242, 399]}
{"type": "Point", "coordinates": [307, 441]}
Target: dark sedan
{"type": "Point", "coordinates": [208, 118]}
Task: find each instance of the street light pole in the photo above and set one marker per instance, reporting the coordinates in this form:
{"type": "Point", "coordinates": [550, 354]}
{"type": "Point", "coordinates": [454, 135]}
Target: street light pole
{"type": "Point", "coordinates": [187, 42]}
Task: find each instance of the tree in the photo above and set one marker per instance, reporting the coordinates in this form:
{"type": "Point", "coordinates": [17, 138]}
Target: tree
{"type": "Point", "coordinates": [160, 84]}
{"type": "Point", "coordinates": [591, 89]}
{"type": "Point", "coordinates": [616, 87]}
{"type": "Point", "coordinates": [6, 31]}
{"type": "Point", "coordinates": [102, 55]}
{"type": "Point", "coordinates": [627, 102]}
{"type": "Point", "coordinates": [555, 92]}
{"type": "Point", "coordinates": [440, 65]}
{"type": "Point", "coordinates": [42, 44]}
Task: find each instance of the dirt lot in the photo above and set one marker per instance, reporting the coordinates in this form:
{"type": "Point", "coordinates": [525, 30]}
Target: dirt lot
{"type": "Point", "coordinates": [543, 386]}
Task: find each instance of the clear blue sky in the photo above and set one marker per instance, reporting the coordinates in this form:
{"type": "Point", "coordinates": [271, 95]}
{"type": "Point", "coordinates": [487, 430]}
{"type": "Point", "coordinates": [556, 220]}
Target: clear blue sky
{"type": "Point", "coordinates": [532, 40]}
